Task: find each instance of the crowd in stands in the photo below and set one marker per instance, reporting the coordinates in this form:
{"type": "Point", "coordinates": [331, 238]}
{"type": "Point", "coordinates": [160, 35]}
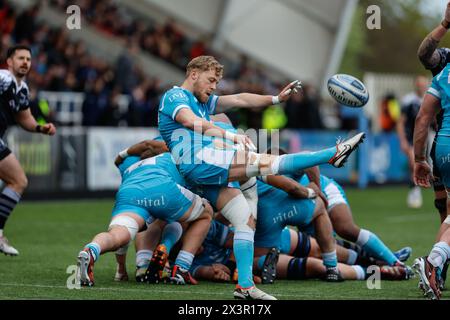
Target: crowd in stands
{"type": "Point", "coordinates": [62, 64]}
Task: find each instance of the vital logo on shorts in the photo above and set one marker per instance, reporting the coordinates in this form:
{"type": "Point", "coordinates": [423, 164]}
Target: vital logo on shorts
{"type": "Point", "coordinates": [157, 201]}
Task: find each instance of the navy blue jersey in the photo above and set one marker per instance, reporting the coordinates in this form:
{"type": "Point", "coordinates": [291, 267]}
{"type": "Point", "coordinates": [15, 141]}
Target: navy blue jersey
{"type": "Point", "coordinates": [13, 98]}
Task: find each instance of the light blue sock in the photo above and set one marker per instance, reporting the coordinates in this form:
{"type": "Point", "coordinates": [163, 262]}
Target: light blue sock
{"type": "Point", "coordinates": [171, 234]}
{"type": "Point", "coordinates": [439, 255]}
{"type": "Point", "coordinates": [184, 259]}
{"type": "Point", "coordinates": [285, 246]}
{"type": "Point", "coordinates": [293, 163]}
{"type": "Point", "coordinates": [329, 259]}
{"type": "Point", "coordinates": [143, 258]}
{"type": "Point", "coordinates": [375, 247]}
{"type": "Point", "coordinates": [243, 252]}
{"type": "Point", "coordinates": [95, 250]}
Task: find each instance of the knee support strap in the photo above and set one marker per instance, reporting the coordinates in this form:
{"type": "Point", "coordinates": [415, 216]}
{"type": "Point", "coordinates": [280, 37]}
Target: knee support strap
{"type": "Point", "coordinates": [250, 191]}
{"type": "Point", "coordinates": [197, 210]}
{"type": "Point", "coordinates": [297, 269]}
{"type": "Point", "coordinates": [237, 211]}
{"type": "Point", "coordinates": [303, 245]}
{"type": "Point", "coordinates": [127, 222]}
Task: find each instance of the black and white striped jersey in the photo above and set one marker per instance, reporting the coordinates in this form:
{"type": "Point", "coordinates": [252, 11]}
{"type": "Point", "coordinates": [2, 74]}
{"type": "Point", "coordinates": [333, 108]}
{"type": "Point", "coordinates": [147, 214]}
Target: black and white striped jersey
{"type": "Point", "coordinates": [13, 98]}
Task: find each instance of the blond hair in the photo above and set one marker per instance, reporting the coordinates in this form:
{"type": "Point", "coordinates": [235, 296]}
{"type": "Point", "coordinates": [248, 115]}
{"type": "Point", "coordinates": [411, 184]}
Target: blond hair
{"type": "Point", "coordinates": [205, 63]}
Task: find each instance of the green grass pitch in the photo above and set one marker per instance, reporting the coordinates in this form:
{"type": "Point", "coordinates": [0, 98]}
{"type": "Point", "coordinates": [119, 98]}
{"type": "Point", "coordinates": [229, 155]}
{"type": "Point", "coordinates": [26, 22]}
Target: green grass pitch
{"type": "Point", "coordinates": [49, 236]}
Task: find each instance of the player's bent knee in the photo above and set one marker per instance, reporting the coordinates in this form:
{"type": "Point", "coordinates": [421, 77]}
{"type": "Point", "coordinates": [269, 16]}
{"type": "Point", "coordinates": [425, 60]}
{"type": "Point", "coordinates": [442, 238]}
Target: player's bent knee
{"type": "Point", "coordinates": [320, 208]}
{"type": "Point", "coordinates": [19, 183]}
{"type": "Point", "coordinates": [127, 222]}
{"type": "Point", "coordinates": [237, 211]}
{"type": "Point", "coordinates": [199, 210]}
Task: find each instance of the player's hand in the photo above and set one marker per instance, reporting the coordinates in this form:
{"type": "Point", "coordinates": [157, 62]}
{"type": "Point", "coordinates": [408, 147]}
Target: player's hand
{"type": "Point", "coordinates": [319, 193]}
{"type": "Point", "coordinates": [447, 12]}
{"type": "Point", "coordinates": [289, 90]}
{"type": "Point", "coordinates": [49, 129]}
{"type": "Point", "coordinates": [245, 142]}
{"type": "Point", "coordinates": [221, 273]}
{"type": "Point", "coordinates": [422, 174]}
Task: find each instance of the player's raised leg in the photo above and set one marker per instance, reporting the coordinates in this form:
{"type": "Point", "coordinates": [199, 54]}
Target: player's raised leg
{"type": "Point", "coordinates": [251, 164]}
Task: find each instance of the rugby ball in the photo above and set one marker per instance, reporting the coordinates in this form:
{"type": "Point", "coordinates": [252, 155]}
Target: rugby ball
{"type": "Point", "coordinates": [348, 90]}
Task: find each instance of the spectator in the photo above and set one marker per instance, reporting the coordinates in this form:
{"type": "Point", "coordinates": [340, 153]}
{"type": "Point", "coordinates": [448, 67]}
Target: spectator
{"type": "Point", "coordinates": [126, 77]}
{"type": "Point", "coordinates": [390, 112]}
{"type": "Point", "coordinates": [303, 110]}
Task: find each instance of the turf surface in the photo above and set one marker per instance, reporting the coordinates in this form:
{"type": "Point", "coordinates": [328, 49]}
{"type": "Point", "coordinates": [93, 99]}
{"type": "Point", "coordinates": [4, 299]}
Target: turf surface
{"type": "Point", "coordinates": [50, 234]}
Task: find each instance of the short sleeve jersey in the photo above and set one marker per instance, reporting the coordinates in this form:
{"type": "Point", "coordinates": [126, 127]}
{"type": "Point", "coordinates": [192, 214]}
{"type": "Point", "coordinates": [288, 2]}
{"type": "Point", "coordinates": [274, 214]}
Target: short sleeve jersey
{"type": "Point", "coordinates": [13, 98]}
{"type": "Point", "coordinates": [440, 88]}
{"type": "Point", "coordinates": [171, 103]}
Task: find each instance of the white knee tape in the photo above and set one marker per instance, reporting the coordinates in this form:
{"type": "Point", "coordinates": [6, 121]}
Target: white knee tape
{"type": "Point", "coordinates": [252, 168]}
{"type": "Point", "coordinates": [127, 222]}
{"type": "Point", "coordinates": [122, 250]}
{"type": "Point", "coordinates": [197, 210]}
{"type": "Point", "coordinates": [237, 211]}
{"type": "Point", "coordinates": [250, 191]}
{"type": "Point", "coordinates": [447, 220]}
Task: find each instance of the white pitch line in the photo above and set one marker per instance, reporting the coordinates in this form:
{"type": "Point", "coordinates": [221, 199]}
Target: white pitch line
{"type": "Point", "coordinates": [145, 290]}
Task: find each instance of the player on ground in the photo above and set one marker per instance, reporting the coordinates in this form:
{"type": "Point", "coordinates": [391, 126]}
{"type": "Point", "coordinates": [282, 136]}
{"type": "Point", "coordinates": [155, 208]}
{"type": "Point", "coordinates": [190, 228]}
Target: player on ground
{"type": "Point", "coordinates": [150, 188]}
{"type": "Point", "coordinates": [286, 205]}
{"type": "Point", "coordinates": [343, 224]}
{"type": "Point", "coordinates": [203, 159]}
{"type": "Point", "coordinates": [405, 130]}
{"type": "Point", "coordinates": [437, 98]}
{"type": "Point", "coordinates": [435, 59]}
{"type": "Point", "coordinates": [214, 262]}
{"type": "Point", "coordinates": [14, 108]}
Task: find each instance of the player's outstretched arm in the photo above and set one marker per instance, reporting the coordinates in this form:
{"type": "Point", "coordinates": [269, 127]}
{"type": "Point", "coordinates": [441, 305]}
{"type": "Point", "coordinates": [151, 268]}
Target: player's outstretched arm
{"type": "Point", "coordinates": [26, 120]}
{"type": "Point", "coordinates": [290, 186]}
{"type": "Point", "coordinates": [146, 149]}
{"type": "Point", "coordinates": [427, 53]}
{"type": "Point", "coordinates": [250, 100]}
{"type": "Point", "coordinates": [190, 120]}
{"type": "Point", "coordinates": [427, 112]}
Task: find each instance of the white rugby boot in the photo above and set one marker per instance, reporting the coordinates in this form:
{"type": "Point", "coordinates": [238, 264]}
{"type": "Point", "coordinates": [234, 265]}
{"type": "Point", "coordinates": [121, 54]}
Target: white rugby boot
{"type": "Point", "coordinates": [252, 293]}
{"type": "Point", "coordinates": [6, 248]}
{"type": "Point", "coordinates": [345, 148]}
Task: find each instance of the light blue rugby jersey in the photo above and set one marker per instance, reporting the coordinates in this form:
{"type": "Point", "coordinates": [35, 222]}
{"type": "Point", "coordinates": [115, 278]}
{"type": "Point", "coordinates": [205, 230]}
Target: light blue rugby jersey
{"type": "Point", "coordinates": [440, 88]}
{"type": "Point", "coordinates": [135, 171]}
{"type": "Point", "coordinates": [171, 103]}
